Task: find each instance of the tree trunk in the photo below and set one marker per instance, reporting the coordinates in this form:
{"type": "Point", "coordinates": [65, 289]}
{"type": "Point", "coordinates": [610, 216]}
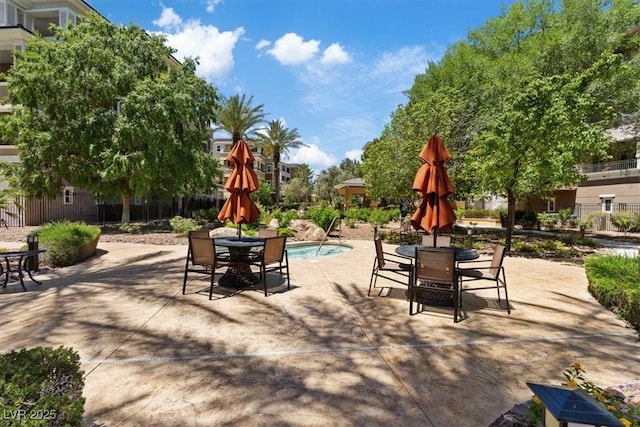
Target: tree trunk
{"type": "Point", "coordinates": [511, 216]}
{"type": "Point", "coordinates": [126, 210]}
{"type": "Point", "coordinates": [276, 178]}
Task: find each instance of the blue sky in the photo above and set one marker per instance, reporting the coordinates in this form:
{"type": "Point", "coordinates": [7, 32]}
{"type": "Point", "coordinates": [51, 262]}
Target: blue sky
{"type": "Point", "coordinates": [334, 69]}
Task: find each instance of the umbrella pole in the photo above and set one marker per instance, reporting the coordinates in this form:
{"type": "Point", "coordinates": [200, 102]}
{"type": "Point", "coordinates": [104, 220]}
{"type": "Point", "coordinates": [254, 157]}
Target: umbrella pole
{"type": "Point", "coordinates": [239, 231]}
{"type": "Point", "coordinates": [435, 237]}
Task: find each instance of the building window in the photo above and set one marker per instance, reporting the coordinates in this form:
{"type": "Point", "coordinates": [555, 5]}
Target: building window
{"type": "Point", "coordinates": [551, 205]}
{"type": "Point", "coordinates": [268, 168]}
{"type": "Point", "coordinates": [269, 181]}
{"type": "Point", "coordinates": [607, 202]}
{"type": "Point", "coordinates": [219, 148]}
{"type": "Point", "coordinates": [67, 195]}
{"type": "Point", "coordinates": [138, 201]}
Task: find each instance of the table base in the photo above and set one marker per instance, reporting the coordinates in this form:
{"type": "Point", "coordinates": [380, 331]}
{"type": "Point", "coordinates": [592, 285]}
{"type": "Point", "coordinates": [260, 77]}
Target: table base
{"type": "Point", "coordinates": [238, 277]}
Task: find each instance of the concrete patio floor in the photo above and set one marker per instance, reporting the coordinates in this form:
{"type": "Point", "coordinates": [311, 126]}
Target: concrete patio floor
{"type": "Point", "coordinates": [321, 353]}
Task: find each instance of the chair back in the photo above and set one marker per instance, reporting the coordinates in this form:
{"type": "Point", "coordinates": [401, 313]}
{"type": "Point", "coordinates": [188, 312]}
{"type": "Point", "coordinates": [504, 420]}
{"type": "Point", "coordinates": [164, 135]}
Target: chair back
{"type": "Point", "coordinates": [496, 261]}
{"type": "Point", "coordinates": [379, 252]}
{"type": "Point", "coordinates": [202, 248]}
{"type": "Point", "coordinates": [267, 232]}
{"type": "Point", "coordinates": [274, 249]}
{"type": "Point", "coordinates": [436, 265]}
{"type": "Point", "coordinates": [443, 240]}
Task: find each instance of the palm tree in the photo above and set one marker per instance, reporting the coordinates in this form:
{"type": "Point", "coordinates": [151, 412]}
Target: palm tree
{"type": "Point", "coordinates": [237, 116]}
{"type": "Point", "coordinates": [275, 141]}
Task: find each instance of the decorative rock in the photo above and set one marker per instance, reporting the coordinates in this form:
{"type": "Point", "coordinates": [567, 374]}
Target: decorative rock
{"type": "Point", "coordinates": [224, 232]}
{"type": "Point", "coordinates": [315, 234]}
{"type": "Point", "coordinates": [274, 224]}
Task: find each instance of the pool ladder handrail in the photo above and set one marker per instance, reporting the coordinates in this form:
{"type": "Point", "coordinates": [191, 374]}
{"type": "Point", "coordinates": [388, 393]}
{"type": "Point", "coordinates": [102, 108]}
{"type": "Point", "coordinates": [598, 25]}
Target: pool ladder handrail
{"type": "Point", "coordinates": [326, 234]}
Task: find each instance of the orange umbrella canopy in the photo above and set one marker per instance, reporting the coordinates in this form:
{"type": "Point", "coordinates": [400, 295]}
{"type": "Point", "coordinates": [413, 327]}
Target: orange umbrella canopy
{"type": "Point", "coordinates": [239, 208]}
{"type": "Point", "coordinates": [432, 184]}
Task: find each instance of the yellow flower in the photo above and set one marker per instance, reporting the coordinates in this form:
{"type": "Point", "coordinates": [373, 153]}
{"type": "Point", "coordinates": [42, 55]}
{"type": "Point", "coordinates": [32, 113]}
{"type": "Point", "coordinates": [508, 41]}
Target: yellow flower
{"type": "Point", "coordinates": [572, 383]}
{"type": "Point", "coordinates": [611, 408]}
{"type": "Point", "coordinates": [625, 422]}
{"type": "Point", "coordinates": [536, 399]}
{"type": "Point", "coordinates": [577, 366]}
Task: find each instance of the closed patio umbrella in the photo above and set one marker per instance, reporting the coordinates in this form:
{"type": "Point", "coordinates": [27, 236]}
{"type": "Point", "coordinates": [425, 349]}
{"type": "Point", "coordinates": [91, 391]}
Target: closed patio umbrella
{"type": "Point", "coordinates": [432, 184]}
{"type": "Point", "coordinates": [239, 208]}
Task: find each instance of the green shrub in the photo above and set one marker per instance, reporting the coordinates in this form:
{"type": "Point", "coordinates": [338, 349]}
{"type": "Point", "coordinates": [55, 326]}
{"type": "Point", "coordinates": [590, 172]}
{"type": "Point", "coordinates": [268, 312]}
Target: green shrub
{"type": "Point", "coordinates": [41, 387]}
{"type": "Point", "coordinates": [477, 213]}
{"type": "Point", "coordinates": [625, 221]}
{"type": "Point", "coordinates": [284, 217]}
{"type": "Point", "coordinates": [614, 281]}
{"type": "Point", "coordinates": [203, 216]}
{"type": "Point", "coordinates": [286, 231]}
{"type": "Point", "coordinates": [322, 216]}
{"type": "Point", "coordinates": [547, 220]}
{"type": "Point", "coordinates": [131, 228]}
{"type": "Point", "coordinates": [577, 239]}
{"type": "Point", "coordinates": [182, 226]}
{"type": "Point", "coordinates": [396, 237]}
{"type": "Point", "coordinates": [554, 247]}
{"type": "Point", "coordinates": [66, 242]}
{"type": "Point", "coordinates": [565, 216]}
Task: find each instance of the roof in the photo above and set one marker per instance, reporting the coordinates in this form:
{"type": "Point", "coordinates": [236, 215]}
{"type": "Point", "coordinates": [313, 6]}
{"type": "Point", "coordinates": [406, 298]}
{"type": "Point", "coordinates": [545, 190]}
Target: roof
{"type": "Point", "coordinates": [353, 182]}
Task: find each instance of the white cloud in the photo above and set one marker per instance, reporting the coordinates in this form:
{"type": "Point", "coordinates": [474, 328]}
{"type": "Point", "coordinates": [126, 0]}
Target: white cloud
{"type": "Point", "coordinates": [262, 44]}
{"type": "Point", "coordinates": [211, 5]}
{"type": "Point", "coordinates": [213, 48]}
{"type": "Point", "coordinates": [354, 154]}
{"type": "Point", "coordinates": [335, 54]}
{"type": "Point", "coordinates": [291, 49]}
{"type": "Point", "coordinates": [312, 155]}
{"type": "Point", "coordinates": [168, 19]}
{"type": "Point", "coordinates": [406, 61]}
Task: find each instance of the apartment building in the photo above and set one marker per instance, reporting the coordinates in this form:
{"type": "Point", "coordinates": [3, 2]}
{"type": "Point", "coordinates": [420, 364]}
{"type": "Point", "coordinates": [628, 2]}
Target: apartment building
{"type": "Point", "coordinates": [614, 185]}
{"type": "Point", "coordinates": [20, 19]}
{"type": "Point", "coordinates": [263, 165]}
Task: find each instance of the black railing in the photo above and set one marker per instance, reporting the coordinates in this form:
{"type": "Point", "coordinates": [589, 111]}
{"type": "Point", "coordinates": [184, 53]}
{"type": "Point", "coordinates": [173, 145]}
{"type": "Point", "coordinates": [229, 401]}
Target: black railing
{"type": "Point", "coordinates": [601, 221]}
{"type": "Point", "coordinates": [91, 209]}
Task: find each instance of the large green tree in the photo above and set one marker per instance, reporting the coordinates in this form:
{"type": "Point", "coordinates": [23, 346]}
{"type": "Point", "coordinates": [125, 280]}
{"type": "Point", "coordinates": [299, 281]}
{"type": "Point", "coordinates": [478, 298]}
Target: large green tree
{"type": "Point", "coordinates": [239, 117]}
{"type": "Point", "coordinates": [299, 188]}
{"type": "Point", "coordinates": [275, 141]}
{"type": "Point", "coordinates": [107, 109]}
{"type": "Point", "coordinates": [520, 102]}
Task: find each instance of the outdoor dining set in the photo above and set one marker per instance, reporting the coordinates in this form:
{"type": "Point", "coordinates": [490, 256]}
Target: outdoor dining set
{"type": "Point", "coordinates": [236, 255]}
{"type": "Point", "coordinates": [438, 274]}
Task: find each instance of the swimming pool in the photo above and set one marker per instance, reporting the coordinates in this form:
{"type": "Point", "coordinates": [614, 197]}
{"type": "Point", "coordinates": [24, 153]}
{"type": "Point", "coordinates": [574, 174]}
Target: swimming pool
{"type": "Point", "coordinates": [310, 250]}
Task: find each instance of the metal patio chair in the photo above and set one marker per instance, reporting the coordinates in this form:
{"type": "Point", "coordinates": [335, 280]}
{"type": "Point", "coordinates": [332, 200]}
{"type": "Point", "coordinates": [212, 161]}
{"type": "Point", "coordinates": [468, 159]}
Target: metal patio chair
{"type": "Point", "coordinates": [390, 266]}
{"type": "Point", "coordinates": [435, 274]}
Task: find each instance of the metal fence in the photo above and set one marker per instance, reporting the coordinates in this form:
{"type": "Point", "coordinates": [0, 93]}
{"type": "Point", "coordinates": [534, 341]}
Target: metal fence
{"type": "Point", "coordinates": [602, 220]}
{"type": "Point", "coordinates": [88, 208]}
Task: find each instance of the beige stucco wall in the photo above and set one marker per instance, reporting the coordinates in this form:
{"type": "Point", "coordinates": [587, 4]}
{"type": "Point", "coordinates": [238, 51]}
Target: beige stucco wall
{"type": "Point", "coordinates": [623, 192]}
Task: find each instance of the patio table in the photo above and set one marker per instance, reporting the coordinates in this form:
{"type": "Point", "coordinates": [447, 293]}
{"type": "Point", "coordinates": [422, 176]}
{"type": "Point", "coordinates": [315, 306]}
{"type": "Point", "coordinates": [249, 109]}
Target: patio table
{"type": "Point", "coordinates": [23, 258]}
{"type": "Point", "coordinates": [239, 274]}
{"type": "Point", "coordinates": [409, 251]}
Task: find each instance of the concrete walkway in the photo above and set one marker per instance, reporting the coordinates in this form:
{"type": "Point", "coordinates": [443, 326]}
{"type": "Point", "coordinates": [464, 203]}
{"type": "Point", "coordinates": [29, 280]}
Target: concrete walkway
{"type": "Point", "coordinates": [322, 353]}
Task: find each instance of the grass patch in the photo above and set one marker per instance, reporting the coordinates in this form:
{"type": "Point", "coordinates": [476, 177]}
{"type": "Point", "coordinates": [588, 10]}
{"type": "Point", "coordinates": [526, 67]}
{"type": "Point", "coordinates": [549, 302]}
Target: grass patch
{"type": "Point", "coordinates": [614, 281]}
{"type": "Point", "coordinates": [67, 243]}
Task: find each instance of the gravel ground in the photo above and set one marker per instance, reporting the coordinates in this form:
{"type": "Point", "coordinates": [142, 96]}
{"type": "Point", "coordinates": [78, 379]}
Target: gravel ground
{"type": "Point", "coordinates": [162, 235]}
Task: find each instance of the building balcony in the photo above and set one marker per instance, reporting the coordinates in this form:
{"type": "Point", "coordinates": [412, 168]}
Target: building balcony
{"type": "Point", "coordinates": [620, 169]}
{"type": "Point", "coordinates": [620, 165]}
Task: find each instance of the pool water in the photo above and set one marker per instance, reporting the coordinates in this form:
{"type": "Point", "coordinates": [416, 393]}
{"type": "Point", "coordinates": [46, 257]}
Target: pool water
{"type": "Point", "coordinates": [310, 250]}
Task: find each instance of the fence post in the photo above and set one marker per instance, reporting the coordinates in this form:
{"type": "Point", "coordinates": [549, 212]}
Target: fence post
{"type": "Point", "coordinates": [32, 245]}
